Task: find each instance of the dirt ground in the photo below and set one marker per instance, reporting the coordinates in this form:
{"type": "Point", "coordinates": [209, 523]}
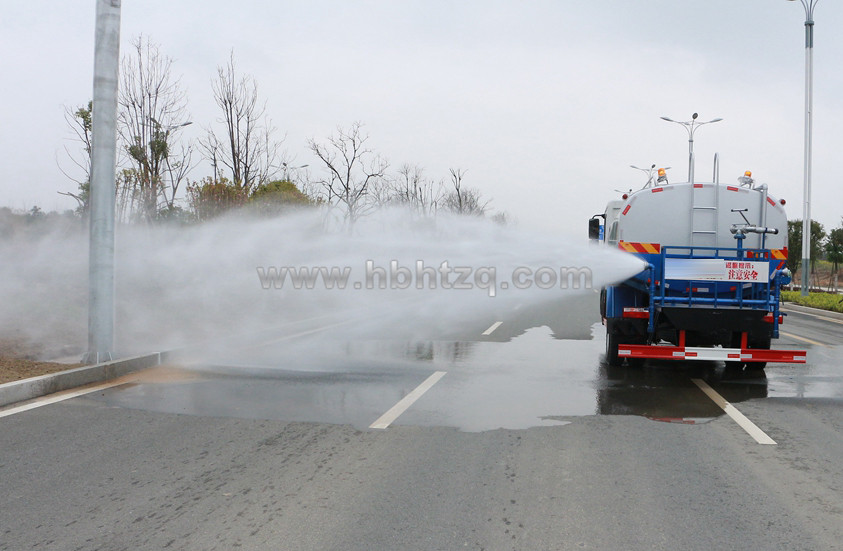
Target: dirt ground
{"type": "Point", "coordinates": [15, 369]}
{"type": "Point", "coordinates": [18, 361]}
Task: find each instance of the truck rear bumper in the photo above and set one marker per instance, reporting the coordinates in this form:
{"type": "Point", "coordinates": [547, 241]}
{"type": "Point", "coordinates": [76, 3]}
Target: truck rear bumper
{"type": "Point", "coordinates": [666, 352]}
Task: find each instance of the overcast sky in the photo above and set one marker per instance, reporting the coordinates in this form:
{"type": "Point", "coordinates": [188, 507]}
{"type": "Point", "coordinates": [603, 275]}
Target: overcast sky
{"type": "Point", "coordinates": [544, 104]}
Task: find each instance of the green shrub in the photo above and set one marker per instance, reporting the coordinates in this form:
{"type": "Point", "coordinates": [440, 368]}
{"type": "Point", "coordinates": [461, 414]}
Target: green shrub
{"type": "Point", "coordinates": [824, 301]}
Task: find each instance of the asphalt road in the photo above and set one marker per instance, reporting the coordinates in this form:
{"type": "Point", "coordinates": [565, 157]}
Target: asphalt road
{"type": "Point", "coordinates": [521, 439]}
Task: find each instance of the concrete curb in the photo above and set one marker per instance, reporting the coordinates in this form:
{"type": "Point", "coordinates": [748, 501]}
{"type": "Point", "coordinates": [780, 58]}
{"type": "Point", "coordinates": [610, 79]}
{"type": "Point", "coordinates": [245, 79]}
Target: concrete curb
{"type": "Point", "coordinates": [27, 389]}
{"type": "Point", "coordinates": [816, 311]}
{"type": "Point", "coordinates": [35, 387]}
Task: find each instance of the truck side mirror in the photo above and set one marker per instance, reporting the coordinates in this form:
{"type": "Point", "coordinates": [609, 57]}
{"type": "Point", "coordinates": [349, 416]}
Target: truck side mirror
{"type": "Point", "coordinates": [594, 229]}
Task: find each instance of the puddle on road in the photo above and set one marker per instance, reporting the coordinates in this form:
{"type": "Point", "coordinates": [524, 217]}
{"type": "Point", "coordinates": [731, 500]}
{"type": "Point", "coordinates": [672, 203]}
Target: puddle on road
{"type": "Point", "coordinates": [532, 380]}
{"type": "Point", "coordinates": [821, 377]}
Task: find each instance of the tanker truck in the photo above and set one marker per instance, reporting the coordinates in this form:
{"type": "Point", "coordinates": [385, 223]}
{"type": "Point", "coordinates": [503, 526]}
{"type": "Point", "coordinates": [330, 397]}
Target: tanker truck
{"type": "Point", "coordinates": [716, 260]}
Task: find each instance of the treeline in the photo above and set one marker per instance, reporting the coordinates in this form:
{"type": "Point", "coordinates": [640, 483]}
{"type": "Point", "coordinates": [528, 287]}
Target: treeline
{"type": "Point", "coordinates": [36, 223]}
{"type": "Point", "coordinates": [155, 180]}
{"type": "Point", "coordinates": [827, 246]}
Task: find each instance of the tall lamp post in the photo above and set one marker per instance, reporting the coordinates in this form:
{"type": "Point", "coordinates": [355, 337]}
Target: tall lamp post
{"type": "Point", "coordinates": [809, 106]}
{"type": "Point", "coordinates": [103, 160]}
{"type": "Point", "coordinates": [691, 127]}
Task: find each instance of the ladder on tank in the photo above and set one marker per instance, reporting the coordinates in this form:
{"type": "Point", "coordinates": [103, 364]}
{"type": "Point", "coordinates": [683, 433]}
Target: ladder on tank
{"type": "Point", "coordinates": [705, 210]}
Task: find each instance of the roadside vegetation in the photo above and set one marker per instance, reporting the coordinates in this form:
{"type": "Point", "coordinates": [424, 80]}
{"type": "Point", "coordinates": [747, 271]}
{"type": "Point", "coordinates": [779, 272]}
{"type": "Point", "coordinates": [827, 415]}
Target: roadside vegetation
{"type": "Point", "coordinates": [238, 165]}
{"type": "Point", "coordinates": [240, 162]}
{"type": "Point", "coordinates": [826, 255]}
{"type": "Point", "coordinates": [823, 301]}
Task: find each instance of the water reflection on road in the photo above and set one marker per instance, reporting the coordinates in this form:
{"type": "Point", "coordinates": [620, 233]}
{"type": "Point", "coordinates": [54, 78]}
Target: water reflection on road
{"type": "Point", "coordinates": [533, 378]}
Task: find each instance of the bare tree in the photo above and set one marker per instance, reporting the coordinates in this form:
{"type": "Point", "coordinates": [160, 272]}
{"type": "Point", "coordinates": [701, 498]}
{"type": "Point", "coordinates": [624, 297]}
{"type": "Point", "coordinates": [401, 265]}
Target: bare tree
{"type": "Point", "coordinates": [462, 200]}
{"type": "Point", "coordinates": [152, 112]}
{"type": "Point", "coordinates": [248, 149]}
{"type": "Point", "coordinates": [411, 189]}
{"type": "Point", "coordinates": [352, 170]}
{"type": "Point", "coordinates": [79, 121]}
{"type": "Point", "coordinates": [501, 218]}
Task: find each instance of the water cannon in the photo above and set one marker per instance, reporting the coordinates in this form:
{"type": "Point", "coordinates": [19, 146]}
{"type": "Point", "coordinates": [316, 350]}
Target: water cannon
{"type": "Point", "coordinates": [745, 229]}
{"type": "Point", "coordinates": [740, 230]}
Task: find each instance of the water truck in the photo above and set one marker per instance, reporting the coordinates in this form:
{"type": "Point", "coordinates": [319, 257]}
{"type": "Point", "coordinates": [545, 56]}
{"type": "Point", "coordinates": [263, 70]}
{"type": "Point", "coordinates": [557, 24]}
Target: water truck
{"type": "Point", "coordinates": [716, 261]}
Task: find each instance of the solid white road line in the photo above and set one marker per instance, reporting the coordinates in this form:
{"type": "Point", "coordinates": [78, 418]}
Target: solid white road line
{"type": "Point", "coordinates": [59, 397]}
{"type": "Point", "coordinates": [803, 339]}
{"type": "Point", "coordinates": [825, 318]}
{"type": "Point", "coordinates": [390, 416]}
{"type": "Point", "coordinates": [759, 435]}
{"type": "Point", "coordinates": [491, 329]}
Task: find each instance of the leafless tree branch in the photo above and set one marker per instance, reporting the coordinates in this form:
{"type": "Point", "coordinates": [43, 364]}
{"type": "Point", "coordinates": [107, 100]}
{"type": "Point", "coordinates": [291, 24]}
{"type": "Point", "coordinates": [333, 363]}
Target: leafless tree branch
{"type": "Point", "coordinates": [152, 109]}
{"type": "Point", "coordinates": [352, 170]}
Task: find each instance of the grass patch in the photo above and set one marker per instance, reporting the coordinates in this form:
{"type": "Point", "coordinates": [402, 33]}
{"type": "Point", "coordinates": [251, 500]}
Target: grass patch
{"type": "Point", "coordinates": [824, 301]}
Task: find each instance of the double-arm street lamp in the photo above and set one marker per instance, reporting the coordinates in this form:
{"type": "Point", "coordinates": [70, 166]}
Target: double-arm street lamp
{"type": "Point", "coordinates": [809, 92]}
{"type": "Point", "coordinates": [691, 127]}
{"type": "Point", "coordinates": [169, 127]}
{"type": "Point", "coordinates": [287, 170]}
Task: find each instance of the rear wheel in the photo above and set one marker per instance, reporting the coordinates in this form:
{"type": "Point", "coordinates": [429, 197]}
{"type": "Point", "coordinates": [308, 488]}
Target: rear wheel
{"type": "Point", "coordinates": [758, 343]}
{"type": "Point", "coordinates": [761, 343]}
{"type": "Point", "coordinates": [614, 338]}
{"type": "Point", "coordinates": [756, 367]}
{"type": "Point", "coordinates": [612, 342]}
{"type": "Point", "coordinates": [637, 363]}
{"type": "Point", "coordinates": [603, 302]}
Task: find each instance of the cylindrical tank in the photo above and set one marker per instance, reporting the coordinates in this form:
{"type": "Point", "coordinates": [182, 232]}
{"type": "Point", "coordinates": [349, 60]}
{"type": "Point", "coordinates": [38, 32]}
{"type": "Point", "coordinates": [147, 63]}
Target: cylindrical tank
{"type": "Point", "coordinates": [699, 214]}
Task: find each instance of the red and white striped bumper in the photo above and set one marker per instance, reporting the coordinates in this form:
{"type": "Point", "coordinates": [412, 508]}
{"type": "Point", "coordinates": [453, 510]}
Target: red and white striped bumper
{"type": "Point", "coordinates": [710, 354]}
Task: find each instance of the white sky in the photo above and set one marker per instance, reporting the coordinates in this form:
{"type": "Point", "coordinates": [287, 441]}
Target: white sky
{"type": "Point", "coordinates": [545, 104]}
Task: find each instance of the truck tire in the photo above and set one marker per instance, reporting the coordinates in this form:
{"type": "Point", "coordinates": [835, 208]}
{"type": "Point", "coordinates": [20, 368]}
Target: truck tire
{"type": "Point", "coordinates": [612, 342]}
{"type": "Point", "coordinates": [603, 303]}
{"type": "Point", "coordinates": [735, 366]}
{"type": "Point", "coordinates": [636, 363]}
{"type": "Point", "coordinates": [760, 343]}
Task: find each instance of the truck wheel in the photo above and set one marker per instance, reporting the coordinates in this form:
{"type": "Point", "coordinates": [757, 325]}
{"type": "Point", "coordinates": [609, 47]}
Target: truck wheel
{"type": "Point", "coordinates": [603, 302]}
{"type": "Point", "coordinates": [636, 363]}
{"type": "Point", "coordinates": [735, 366]}
{"type": "Point", "coordinates": [764, 344]}
{"type": "Point", "coordinates": [761, 343]}
{"type": "Point", "coordinates": [612, 342]}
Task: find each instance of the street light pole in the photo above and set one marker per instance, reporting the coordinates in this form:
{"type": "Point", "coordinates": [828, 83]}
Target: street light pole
{"type": "Point", "coordinates": [809, 107]}
{"type": "Point", "coordinates": [103, 161]}
{"type": "Point", "coordinates": [691, 127]}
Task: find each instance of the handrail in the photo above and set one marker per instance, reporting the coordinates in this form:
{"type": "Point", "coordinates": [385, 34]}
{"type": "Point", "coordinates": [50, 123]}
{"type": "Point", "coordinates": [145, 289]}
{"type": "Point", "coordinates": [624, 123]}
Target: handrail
{"type": "Point", "coordinates": [715, 296]}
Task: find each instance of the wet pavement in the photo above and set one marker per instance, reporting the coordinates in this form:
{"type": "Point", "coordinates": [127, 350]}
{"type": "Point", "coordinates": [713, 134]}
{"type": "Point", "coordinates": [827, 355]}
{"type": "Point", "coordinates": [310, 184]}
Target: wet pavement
{"type": "Point", "coordinates": [525, 374]}
{"type": "Point", "coordinates": [209, 454]}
